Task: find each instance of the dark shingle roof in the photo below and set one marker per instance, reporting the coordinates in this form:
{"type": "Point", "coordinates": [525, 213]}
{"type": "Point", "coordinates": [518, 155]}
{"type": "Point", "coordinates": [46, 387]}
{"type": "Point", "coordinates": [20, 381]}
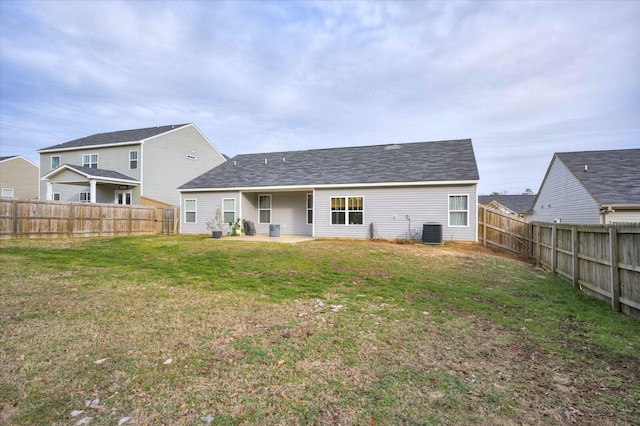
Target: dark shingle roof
{"type": "Point", "coordinates": [8, 157]}
{"type": "Point", "coordinates": [612, 177]}
{"type": "Point", "coordinates": [115, 137]}
{"type": "Point", "coordinates": [397, 163]}
{"type": "Point", "coordinates": [110, 174]}
{"type": "Point", "coordinates": [517, 203]}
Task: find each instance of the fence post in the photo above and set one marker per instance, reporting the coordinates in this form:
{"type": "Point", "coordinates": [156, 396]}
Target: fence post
{"type": "Point", "coordinates": [15, 219]}
{"type": "Point", "coordinates": [72, 215]}
{"type": "Point", "coordinates": [130, 220]}
{"type": "Point", "coordinates": [484, 226]}
{"type": "Point", "coordinates": [554, 246]}
{"type": "Point", "coordinates": [537, 225]}
{"type": "Point", "coordinates": [615, 271]}
{"type": "Point", "coordinates": [574, 253]}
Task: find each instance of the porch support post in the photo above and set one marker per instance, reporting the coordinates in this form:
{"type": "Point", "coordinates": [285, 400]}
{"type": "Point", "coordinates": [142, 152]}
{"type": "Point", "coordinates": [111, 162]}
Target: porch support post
{"type": "Point", "coordinates": [49, 196]}
{"type": "Point", "coordinates": [92, 183]}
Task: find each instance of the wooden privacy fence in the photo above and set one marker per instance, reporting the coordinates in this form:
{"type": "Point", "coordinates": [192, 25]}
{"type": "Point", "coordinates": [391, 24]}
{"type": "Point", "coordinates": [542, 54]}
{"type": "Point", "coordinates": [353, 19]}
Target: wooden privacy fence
{"type": "Point", "coordinates": [600, 260]}
{"type": "Point", "coordinates": [504, 231]}
{"type": "Point", "coordinates": [46, 219]}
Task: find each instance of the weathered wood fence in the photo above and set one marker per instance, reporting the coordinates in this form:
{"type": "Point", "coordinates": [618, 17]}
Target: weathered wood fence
{"type": "Point", "coordinates": [600, 260]}
{"type": "Point", "coordinates": [47, 219]}
{"type": "Point", "coordinates": [504, 231]}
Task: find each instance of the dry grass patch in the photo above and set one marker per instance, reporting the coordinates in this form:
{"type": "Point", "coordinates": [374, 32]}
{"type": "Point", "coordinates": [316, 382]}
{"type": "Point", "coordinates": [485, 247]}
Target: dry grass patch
{"type": "Point", "coordinates": [183, 331]}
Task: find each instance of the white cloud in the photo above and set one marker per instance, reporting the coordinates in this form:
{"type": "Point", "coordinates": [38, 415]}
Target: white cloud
{"type": "Point", "coordinates": [522, 79]}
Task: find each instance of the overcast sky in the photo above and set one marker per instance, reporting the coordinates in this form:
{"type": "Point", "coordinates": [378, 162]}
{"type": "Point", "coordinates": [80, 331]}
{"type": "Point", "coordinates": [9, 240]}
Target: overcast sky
{"type": "Point", "coordinates": [521, 79]}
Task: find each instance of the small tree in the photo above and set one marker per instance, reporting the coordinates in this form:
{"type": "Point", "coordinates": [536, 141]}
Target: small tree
{"type": "Point", "coordinates": [215, 223]}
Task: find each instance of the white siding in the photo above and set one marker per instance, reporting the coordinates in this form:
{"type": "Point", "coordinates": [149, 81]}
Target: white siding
{"type": "Point", "coordinates": [166, 166]}
{"type": "Point", "coordinates": [388, 208]}
{"type": "Point", "coordinates": [207, 203]}
{"type": "Point", "coordinates": [563, 197]}
{"type": "Point", "coordinates": [623, 216]}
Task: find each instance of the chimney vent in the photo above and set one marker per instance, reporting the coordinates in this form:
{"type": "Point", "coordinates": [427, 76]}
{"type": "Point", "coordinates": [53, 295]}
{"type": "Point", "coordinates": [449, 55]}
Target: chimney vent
{"type": "Point", "coordinates": [265, 161]}
{"type": "Point", "coordinates": [585, 168]}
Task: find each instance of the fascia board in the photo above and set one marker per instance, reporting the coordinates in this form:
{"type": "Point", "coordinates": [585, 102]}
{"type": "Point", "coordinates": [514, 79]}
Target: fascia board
{"type": "Point", "coordinates": [78, 148]}
{"type": "Point", "coordinates": [329, 186]}
{"type": "Point", "coordinates": [19, 156]}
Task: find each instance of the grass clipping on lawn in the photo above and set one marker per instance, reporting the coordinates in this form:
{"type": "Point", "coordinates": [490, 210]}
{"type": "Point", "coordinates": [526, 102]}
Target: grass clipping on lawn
{"type": "Point", "coordinates": [186, 330]}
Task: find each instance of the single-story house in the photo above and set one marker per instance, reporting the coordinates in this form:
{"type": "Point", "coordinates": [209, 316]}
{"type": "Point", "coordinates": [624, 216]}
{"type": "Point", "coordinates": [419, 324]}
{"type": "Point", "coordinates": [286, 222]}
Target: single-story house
{"type": "Point", "coordinates": [19, 177]}
{"type": "Point", "coordinates": [381, 191]}
{"type": "Point", "coordinates": [509, 204]}
{"type": "Point", "coordinates": [590, 187]}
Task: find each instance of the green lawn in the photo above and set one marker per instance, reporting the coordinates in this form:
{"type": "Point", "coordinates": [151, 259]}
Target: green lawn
{"type": "Point", "coordinates": [191, 330]}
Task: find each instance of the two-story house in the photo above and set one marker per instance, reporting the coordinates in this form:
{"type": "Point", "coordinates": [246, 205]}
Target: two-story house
{"type": "Point", "coordinates": [18, 177]}
{"type": "Point", "coordinates": [140, 166]}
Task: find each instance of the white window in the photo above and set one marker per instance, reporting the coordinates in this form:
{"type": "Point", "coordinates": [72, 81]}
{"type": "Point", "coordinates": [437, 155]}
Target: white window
{"type": "Point", "coordinates": [56, 196]}
{"type": "Point", "coordinates": [190, 210]}
{"type": "Point", "coordinates": [264, 207]}
{"type": "Point", "coordinates": [309, 208]}
{"type": "Point", "coordinates": [85, 197]}
{"type": "Point", "coordinates": [133, 160]}
{"type": "Point", "coordinates": [458, 210]}
{"type": "Point", "coordinates": [90, 160]}
{"type": "Point", "coordinates": [7, 192]}
{"type": "Point", "coordinates": [347, 210]}
{"type": "Point", "coordinates": [123, 197]}
{"type": "Point", "coordinates": [229, 210]}
{"type": "Point", "coordinates": [55, 162]}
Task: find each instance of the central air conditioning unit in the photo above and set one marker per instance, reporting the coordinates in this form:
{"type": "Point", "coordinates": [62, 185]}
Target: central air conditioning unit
{"type": "Point", "coordinates": [432, 233]}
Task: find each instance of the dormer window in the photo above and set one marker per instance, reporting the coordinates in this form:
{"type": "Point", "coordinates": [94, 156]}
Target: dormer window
{"type": "Point", "coordinates": [90, 160]}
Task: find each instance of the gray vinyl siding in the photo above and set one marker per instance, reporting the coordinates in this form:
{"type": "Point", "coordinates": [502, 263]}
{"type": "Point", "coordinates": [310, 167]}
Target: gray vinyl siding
{"type": "Point", "coordinates": [206, 205]}
{"type": "Point", "coordinates": [563, 197]}
{"type": "Point", "coordinates": [21, 176]}
{"type": "Point", "coordinates": [388, 208]}
{"type": "Point", "coordinates": [166, 165]}
{"type": "Point", "coordinates": [288, 209]}
{"type": "Point", "coordinates": [114, 158]}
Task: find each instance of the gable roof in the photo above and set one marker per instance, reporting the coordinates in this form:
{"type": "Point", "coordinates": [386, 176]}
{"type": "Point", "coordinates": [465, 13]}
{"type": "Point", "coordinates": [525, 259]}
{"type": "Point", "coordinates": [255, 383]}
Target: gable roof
{"type": "Point", "coordinates": [443, 161]}
{"type": "Point", "coordinates": [612, 177]}
{"type": "Point", "coordinates": [15, 157]}
{"type": "Point", "coordinates": [517, 203]}
{"type": "Point", "coordinates": [93, 173]}
{"type": "Point", "coordinates": [119, 137]}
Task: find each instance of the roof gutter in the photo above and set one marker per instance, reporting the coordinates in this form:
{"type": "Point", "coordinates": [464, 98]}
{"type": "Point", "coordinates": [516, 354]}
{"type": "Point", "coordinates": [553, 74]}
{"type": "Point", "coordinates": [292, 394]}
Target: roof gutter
{"type": "Point", "coordinates": [328, 186]}
{"type": "Point", "coordinates": [77, 148]}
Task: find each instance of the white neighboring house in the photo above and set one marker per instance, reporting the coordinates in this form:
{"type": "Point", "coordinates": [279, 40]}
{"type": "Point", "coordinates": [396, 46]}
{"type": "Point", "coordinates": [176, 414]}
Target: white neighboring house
{"type": "Point", "coordinates": [381, 191]}
{"type": "Point", "coordinates": [19, 177]}
{"type": "Point", "coordinates": [140, 166]}
{"type": "Point", "coordinates": [590, 187]}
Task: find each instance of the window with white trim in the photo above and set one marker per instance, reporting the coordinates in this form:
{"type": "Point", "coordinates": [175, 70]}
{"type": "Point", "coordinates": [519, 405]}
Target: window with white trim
{"type": "Point", "coordinates": [347, 210]}
{"type": "Point", "coordinates": [229, 210]}
{"type": "Point", "coordinates": [90, 160]}
{"type": "Point", "coordinates": [190, 211]}
{"type": "Point", "coordinates": [7, 192]}
{"type": "Point", "coordinates": [55, 162]}
{"type": "Point", "coordinates": [85, 196]}
{"type": "Point", "coordinates": [133, 160]}
{"type": "Point", "coordinates": [458, 210]}
{"type": "Point", "coordinates": [56, 196]}
{"type": "Point", "coordinates": [264, 208]}
{"type": "Point", "coordinates": [309, 209]}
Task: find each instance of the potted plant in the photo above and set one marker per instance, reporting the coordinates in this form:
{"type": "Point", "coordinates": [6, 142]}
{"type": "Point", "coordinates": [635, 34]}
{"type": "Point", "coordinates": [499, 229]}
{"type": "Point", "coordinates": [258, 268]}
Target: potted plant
{"type": "Point", "coordinates": [236, 228]}
{"type": "Point", "coordinates": [215, 224]}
